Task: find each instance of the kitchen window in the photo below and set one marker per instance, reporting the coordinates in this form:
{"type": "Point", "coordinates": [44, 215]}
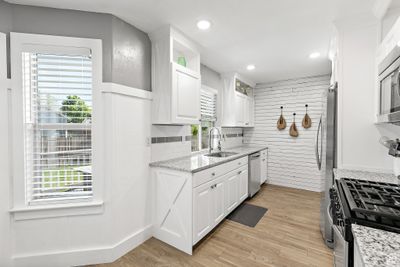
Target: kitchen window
{"type": "Point", "coordinates": [56, 127]}
{"type": "Point", "coordinates": [208, 111]}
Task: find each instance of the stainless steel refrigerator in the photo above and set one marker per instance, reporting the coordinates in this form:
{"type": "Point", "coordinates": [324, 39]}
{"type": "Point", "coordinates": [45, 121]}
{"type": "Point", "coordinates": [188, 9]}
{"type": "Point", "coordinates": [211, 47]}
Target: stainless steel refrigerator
{"type": "Point", "coordinates": [325, 152]}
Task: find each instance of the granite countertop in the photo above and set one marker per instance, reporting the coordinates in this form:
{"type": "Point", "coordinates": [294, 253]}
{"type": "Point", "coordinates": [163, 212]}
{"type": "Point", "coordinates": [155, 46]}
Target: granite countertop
{"type": "Point", "coordinates": [366, 175]}
{"type": "Point", "coordinates": [198, 162]}
{"type": "Point", "coordinates": [377, 247]}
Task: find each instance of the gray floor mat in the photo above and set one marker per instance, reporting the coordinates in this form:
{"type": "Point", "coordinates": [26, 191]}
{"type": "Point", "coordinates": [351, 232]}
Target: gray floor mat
{"type": "Point", "coordinates": [247, 214]}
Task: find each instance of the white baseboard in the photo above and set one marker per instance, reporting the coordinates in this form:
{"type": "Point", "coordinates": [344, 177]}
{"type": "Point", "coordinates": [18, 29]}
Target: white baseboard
{"type": "Point", "coordinates": [81, 257]}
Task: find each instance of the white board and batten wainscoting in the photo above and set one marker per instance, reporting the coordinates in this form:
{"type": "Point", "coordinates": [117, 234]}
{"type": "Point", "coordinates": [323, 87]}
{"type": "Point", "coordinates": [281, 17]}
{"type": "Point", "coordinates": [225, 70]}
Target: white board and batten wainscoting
{"type": "Point", "coordinates": [127, 194]}
{"type": "Point", "coordinates": [291, 161]}
{"type": "Point", "coordinates": [74, 239]}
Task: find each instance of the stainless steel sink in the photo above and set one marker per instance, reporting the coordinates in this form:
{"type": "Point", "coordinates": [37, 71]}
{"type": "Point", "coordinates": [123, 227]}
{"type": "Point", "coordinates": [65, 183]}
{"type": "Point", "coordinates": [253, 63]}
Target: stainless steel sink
{"type": "Point", "coordinates": [220, 154]}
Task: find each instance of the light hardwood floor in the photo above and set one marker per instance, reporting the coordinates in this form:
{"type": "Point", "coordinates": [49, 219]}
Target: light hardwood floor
{"type": "Point", "coordinates": [288, 235]}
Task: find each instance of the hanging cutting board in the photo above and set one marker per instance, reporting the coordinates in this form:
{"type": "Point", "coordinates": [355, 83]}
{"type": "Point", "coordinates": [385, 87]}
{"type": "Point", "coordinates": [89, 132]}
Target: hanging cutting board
{"type": "Point", "coordinates": [306, 120]}
{"type": "Point", "coordinates": [281, 124]}
{"type": "Point", "coordinates": [293, 132]}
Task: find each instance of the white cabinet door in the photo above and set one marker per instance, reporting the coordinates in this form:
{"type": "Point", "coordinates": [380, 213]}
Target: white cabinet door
{"type": "Point", "coordinates": [240, 100]}
{"type": "Point", "coordinates": [232, 192]}
{"type": "Point", "coordinates": [202, 211]}
{"type": "Point", "coordinates": [246, 111]}
{"type": "Point", "coordinates": [218, 210]}
{"type": "Point", "coordinates": [243, 184]}
{"type": "Point", "coordinates": [186, 96]}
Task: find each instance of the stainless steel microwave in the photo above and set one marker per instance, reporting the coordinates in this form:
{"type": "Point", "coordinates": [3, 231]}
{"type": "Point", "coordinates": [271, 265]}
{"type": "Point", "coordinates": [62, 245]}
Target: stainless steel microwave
{"type": "Point", "coordinates": [389, 82]}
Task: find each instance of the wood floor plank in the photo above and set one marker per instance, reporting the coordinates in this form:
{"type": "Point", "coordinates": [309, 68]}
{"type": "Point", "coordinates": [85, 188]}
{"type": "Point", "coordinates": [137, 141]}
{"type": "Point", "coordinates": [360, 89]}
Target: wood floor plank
{"type": "Point", "coordinates": [287, 235]}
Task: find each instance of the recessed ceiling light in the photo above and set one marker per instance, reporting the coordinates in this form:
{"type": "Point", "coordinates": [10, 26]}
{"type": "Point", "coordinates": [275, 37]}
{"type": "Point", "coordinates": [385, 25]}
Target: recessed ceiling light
{"type": "Point", "coordinates": [250, 67]}
{"type": "Point", "coordinates": [398, 44]}
{"type": "Point", "coordinates": [203, 24]}
{"type": "Point", "coordinates": [314, 55]}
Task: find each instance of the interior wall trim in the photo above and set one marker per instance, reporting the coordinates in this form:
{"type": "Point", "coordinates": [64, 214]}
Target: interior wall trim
{"type": "Point", "coordinates": [116, 88]}
{"type": "Point", "coordinates": [94, 255]}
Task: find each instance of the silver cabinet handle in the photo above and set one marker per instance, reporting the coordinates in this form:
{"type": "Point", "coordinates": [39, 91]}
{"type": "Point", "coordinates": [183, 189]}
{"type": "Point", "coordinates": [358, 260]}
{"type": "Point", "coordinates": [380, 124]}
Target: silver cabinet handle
{"type": "Point", "coordinates": [317, 143]}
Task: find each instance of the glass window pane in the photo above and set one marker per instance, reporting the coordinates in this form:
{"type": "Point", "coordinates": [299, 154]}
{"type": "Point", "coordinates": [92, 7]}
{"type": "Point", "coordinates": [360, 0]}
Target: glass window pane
{"type": "Point", "coordinates": [195, 138]}
{"type": "Point", "coordinates": [58, 138]}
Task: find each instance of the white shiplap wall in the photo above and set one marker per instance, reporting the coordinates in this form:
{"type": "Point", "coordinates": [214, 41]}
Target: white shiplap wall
{"type": "Point", "coordinates": [291, 161]}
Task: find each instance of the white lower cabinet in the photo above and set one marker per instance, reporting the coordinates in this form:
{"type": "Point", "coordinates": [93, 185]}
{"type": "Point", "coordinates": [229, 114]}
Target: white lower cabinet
{"type": "Point", "coordinates": [214, 200]}
{"type": "Point", "coordinates": [188, 206]}
{"type": "Point", "coordinates": [232, 191]}
{"type": "Point", "coordinates": [243, 184]}
{"type": "Point", "coordinates": [203, 210]}
{"type": "Point", "coordinates": [218, 199]}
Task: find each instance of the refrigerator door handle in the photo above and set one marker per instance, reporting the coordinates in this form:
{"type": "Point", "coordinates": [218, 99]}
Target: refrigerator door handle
{"type": "Point", "coordinates": [317, 144]}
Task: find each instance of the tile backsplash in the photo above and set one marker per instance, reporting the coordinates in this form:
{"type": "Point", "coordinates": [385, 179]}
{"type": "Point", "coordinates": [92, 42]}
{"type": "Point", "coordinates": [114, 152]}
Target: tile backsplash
{"type": "Point", "coordinates": [172, 141]}
{"type": "Point", "coordinates": [233, 137]}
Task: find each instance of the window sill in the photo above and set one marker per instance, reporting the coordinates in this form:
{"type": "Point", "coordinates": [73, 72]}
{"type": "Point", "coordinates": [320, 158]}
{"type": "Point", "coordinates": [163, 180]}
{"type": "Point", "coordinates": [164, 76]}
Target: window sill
{"type": "Point", "coordinates": [61, 210]}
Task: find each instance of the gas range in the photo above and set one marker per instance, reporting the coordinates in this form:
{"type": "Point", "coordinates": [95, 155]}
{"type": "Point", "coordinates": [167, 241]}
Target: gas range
{"type": "Point", "coordinates": [372, 204]}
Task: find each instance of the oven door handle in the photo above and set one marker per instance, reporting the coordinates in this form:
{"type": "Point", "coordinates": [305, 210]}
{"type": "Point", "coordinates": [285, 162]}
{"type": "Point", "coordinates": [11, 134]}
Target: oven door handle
{"type": "Point", "coordinates": [328, 211]}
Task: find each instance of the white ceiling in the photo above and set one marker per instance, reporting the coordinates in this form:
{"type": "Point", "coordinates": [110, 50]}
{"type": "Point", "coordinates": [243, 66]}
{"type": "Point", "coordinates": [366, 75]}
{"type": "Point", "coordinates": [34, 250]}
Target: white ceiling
{"type": "Point", "coordinates": [275, 35]}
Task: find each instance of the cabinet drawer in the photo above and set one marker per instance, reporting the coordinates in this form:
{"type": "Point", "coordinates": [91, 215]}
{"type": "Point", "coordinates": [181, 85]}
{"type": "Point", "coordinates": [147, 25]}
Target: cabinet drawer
{"type": "Point", "coordinates": [214, 172]}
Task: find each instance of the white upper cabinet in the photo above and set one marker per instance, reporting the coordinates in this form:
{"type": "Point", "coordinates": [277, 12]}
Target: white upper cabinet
{"type": "Point", "coordinates": [390, 41]}
{"type": "Point", "coordinates": [175, 78]}
{"type": "Point", "coordinates": [238, 102]}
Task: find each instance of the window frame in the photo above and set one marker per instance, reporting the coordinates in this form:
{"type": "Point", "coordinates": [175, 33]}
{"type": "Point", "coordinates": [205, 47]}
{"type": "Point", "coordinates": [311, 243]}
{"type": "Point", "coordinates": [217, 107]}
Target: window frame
{"type": "Point", "coordinates": [22, 42]}
{"type": "Point", "coordinates": [199, 135]}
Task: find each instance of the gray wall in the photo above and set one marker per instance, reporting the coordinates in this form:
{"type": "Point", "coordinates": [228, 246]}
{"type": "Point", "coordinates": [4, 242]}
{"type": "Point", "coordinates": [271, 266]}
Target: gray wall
{"type": "Point", "coordinates": [5, 17]}
{"type": "Point", "coordinates": [210, 77]}
{"type": "Point", "coordinates": [131, 62]}
{"type": "Point", "coordinates": [117, 36]}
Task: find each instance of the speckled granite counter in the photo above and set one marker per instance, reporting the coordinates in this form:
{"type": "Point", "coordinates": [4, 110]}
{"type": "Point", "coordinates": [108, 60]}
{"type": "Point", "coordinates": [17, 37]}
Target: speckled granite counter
{"type": "Point", "coordinates": [364, 175]}
{"type": "Point", "coordinates": [377, 247]}
{"type": "Point", "coordinates": [199, 162]}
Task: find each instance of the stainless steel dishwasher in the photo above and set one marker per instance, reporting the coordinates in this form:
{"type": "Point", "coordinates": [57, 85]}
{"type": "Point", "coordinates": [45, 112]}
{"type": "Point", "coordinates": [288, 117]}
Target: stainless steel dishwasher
{"type": "Point", "coordinates": [254, 173]}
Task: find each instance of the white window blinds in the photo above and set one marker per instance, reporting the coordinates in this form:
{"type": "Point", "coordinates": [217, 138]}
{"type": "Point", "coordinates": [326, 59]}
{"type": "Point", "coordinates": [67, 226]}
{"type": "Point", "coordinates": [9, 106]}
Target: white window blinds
{"type": "Point", "coordinates": [57, 119]}
{"type": "Point", "coordinates": [208, 106]}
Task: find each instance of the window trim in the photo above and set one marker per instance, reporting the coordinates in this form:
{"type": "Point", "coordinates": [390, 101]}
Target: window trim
{"type": "Point", "coordinates": [20, 42]}
{"type": "Point", "coordinates": [213, 91]}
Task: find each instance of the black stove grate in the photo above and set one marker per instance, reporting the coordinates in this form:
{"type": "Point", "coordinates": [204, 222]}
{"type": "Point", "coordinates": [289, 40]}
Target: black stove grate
{"type": "Point", "coordinates": [373, 201]}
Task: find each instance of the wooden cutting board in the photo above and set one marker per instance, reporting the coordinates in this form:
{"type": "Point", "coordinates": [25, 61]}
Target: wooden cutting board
{"type": "Point", "coordinates": [281, 124]}
{"type": "Point", "coordinates": [306, 120]}
{"type": "Point", "coordinates": [293, 132]}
